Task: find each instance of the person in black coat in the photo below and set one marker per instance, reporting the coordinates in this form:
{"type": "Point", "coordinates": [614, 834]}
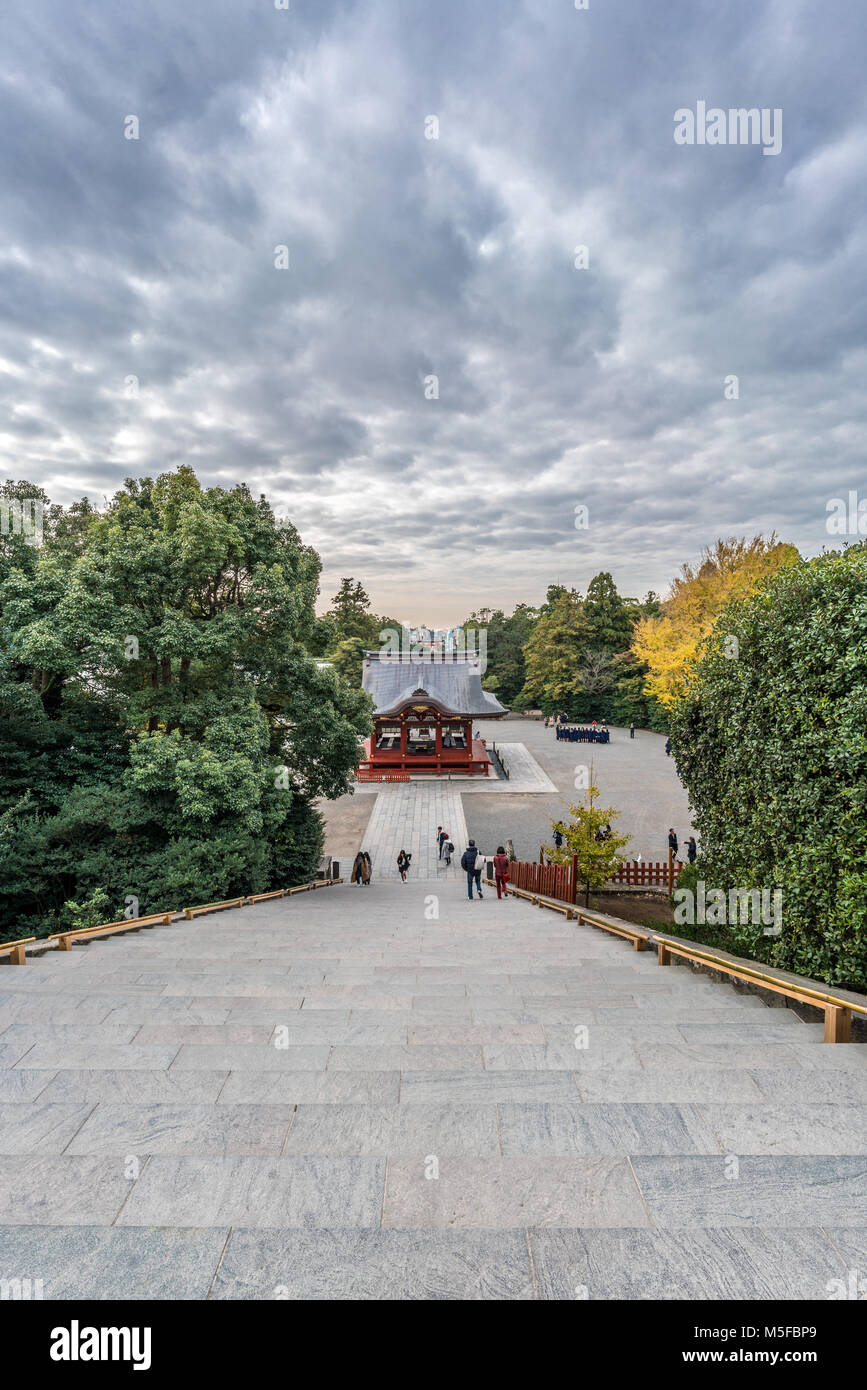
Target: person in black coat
{"type": "Point", "coordinates": [691, 849]}
{"type": "Point", "coordinates": [672, 841]}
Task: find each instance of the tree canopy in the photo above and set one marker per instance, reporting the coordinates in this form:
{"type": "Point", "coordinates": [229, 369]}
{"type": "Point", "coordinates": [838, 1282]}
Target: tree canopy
{"type": "Point", "coordinates": [670, 644]}
{"type": "Point", "coordinates": [165, 731]}
{"type": "Point", "coordinates": [770, 738]}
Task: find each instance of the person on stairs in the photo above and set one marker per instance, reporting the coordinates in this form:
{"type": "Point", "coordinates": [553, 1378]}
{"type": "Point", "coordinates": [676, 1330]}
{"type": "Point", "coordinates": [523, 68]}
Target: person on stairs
{"type": "Point", "coordinates": [448, 851]}
{"type": "Point", "coordinates": [472, 866]}
{"type": "Point", "coordinates": [403, 864]}
{"type": "Point", "coordinates": [501, 871]}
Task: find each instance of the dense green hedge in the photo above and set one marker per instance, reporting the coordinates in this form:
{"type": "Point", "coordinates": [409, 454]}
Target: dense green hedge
{"type": "Point", "coordinates": [771, 742]}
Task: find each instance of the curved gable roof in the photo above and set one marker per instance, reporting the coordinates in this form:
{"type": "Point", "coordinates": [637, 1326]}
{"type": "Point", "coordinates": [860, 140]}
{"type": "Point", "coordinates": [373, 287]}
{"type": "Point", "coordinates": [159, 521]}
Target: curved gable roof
{"type": "Point", "coordinates": [453, 687]}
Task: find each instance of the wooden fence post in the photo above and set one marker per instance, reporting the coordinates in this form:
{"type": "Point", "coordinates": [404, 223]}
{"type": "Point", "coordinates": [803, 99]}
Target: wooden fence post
{"type": "Point", "coordinates": [838, 1024]}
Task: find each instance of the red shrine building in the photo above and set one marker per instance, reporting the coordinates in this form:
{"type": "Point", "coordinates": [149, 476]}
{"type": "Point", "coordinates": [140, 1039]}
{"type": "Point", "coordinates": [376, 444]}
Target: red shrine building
{"type": "Point", "coordinates": [424, 710]}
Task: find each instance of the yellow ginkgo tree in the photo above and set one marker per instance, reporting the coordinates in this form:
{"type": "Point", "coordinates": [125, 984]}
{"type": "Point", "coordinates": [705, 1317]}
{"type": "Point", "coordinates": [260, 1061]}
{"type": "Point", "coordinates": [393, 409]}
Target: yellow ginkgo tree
{"type": "Point", "coordinates": [671, 643]}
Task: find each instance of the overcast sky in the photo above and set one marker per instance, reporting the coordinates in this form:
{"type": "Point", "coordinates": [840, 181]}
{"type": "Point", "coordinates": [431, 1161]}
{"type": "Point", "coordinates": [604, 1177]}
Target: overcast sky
{"type": "Point", "coordinates": [413, 257]}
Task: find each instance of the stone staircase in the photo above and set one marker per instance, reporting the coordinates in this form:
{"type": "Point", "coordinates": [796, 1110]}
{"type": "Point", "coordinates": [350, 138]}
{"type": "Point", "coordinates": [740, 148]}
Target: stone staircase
{"type": "Point", "coordinates": [377, 1094]}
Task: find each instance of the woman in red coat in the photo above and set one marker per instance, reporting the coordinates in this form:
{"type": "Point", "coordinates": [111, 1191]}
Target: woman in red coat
{"type": "Point", "coordinates": [501, 871]}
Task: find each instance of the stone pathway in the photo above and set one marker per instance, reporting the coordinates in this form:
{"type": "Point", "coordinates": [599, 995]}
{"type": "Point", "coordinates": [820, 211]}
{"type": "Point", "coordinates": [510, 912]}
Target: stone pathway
{"type": "Point", "coordinates": [406, 816]}
{"type": "Point", "coordinates": [377, 1094]}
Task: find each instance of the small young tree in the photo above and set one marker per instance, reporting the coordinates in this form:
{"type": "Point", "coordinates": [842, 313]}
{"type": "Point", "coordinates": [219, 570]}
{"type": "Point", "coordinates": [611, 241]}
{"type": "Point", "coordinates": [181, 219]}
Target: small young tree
{"type": "Point", "coordinates": [588, 835]}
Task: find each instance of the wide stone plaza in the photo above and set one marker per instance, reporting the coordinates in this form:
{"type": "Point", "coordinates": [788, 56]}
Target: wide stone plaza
{"type": "Point", "coordinates": [633, 775]}
{"type": "Point", "coordinates": [393, 1093]}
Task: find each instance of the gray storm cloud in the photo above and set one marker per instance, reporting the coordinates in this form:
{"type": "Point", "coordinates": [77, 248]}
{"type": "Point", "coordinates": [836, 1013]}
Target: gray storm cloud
{"type": "Point", "coordinates": [153, 260]}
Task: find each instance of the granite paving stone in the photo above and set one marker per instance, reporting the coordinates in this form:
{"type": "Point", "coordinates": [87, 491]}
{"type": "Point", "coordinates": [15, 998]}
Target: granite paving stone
{"type": "Point", "coordinates": [103, 1262]}
{"type": "Point", "coordinates": [443, 1130]}
{"type": "Point", "coordinates": [62, 1191]}
{"type": "Point", "coordinates": [760, 1191]}
{"type": "Point", "coordinates": [723, 1263]}
{"type": "Point", "coordinates": [507, 1192]}
{"type": "Point", "coordinates": [243, 1191]}
{"type": "Point", "coordinates": [39, 1128]}
{"type": "Point", "coordinates": [375, 1265]}
{"type": "Point", "coordinates": [182, 1129]}
{"type": "Point", "coordinates": [563, 1130]}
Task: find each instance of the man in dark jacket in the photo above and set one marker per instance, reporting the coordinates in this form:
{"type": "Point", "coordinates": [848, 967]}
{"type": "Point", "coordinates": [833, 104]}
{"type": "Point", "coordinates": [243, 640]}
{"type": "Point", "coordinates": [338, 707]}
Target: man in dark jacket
{"type": "Point", "coordinates": [472, 866]}
{"type": "Point", "coordinates": [672, 841]}
{"type": "Point", "coordinates": [691, 849]}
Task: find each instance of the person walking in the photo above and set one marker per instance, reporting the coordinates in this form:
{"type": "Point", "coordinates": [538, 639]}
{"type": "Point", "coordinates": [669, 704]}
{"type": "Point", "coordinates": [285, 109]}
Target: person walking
{"type": "Point", "coordinates": [501, 871]}
{"type": "Point", "coordinates": [668, 747]}
{"type": "Point", "coordinates": [357, 865]}
{"type": "Point", "coordinates": [672, 841]}
{"type": "Point", "coordinates": [403, 864]}
{"type": "Point", "coordinates": [472, 866]}
{"type": "Point", "coordinates": [439, 839]}
{"type": "Point", "coordinates": [366, 869]}
{"type": "Point", "coordinates": [558, 839]}
{"type": "Point", "coordinates": [691, 849]}
{"type": "Point", "coordinates": [632, 731]}
{"type": "Point", "coordinates": [448, 851]}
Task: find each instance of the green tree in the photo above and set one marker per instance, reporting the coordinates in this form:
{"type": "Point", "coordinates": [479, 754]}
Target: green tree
{"type": "Point", "coordinates": [770, 739]}
{"type": "Point", "coordinates": [349, 614]}
{"type": "Point", "coordinates": [165, 732]}
{"type": "Point", "coordinates": [552, 656]}
{"type": "Point", "coordinates": [505, 638]}
{"type": "Point", "coordinates": [588, 836]}
{"type": "Point", "coordinates": [607, 619]}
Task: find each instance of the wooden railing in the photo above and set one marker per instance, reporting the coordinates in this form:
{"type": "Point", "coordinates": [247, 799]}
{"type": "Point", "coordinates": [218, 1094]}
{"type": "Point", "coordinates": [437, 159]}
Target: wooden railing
{"type": "Point", "coordinates": [554, 880]}
{"type": "Point", "coordinates": [642, 873]}
{"type": "Point", "coordinates": [561, 880]}
{"type": "Point", "coordinates": [837, 1008]}
{"type": "Point", "coordinates": [17, 950]}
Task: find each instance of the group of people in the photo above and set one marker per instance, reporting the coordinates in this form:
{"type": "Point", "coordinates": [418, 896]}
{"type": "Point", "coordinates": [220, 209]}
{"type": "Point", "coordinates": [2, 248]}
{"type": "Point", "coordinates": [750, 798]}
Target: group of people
{"type": "Point", "coordinates": [691, 846]}
{"type": "Point", "coordinates": [472, 864]}
{"type": "Point", "coordinates": [593, 733]}
{"type": "Point", "coordinates": [362, 867]}
{"type": "Point", "coordinates": [446, 848]}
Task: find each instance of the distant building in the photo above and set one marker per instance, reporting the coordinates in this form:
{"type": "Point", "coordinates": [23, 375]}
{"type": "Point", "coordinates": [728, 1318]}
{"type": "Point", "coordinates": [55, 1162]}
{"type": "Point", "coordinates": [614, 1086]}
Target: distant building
{"type": "Point", "coordinates": [424, 713]}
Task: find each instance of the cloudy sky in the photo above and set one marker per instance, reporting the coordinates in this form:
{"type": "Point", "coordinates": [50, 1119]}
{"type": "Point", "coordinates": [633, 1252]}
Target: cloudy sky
{"type": "Point", "coordinates": [152, 261]}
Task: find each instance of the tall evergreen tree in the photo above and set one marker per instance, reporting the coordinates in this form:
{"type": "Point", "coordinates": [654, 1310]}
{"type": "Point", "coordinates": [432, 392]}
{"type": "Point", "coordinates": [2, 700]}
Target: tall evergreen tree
{"type": "Point", "coordinates": [164, 731]}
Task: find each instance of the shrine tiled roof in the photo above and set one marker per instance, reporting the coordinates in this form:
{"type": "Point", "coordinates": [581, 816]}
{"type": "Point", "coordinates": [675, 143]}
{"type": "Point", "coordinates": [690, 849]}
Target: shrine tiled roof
{"type": "Point", "coordinates": [453, 686]}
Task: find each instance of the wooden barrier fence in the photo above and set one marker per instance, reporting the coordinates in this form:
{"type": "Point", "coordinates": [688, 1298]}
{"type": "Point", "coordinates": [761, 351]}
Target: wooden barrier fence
{"type": "Point", "coordinates": [552, 880]}
{"type": "Point", "coordinates": [17, 950]}
{"type": "Point", "coordinates": [640, 873]}
{"type": "Point", "coordinates": [561, 881]}
{"type": "Point", "coordinates": [837, 1008]}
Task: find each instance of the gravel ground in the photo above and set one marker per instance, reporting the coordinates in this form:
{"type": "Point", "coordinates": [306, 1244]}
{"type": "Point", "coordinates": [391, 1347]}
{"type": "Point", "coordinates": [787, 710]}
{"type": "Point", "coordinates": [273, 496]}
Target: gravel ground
{"type": "Point", "coordinates": [633, 775]}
